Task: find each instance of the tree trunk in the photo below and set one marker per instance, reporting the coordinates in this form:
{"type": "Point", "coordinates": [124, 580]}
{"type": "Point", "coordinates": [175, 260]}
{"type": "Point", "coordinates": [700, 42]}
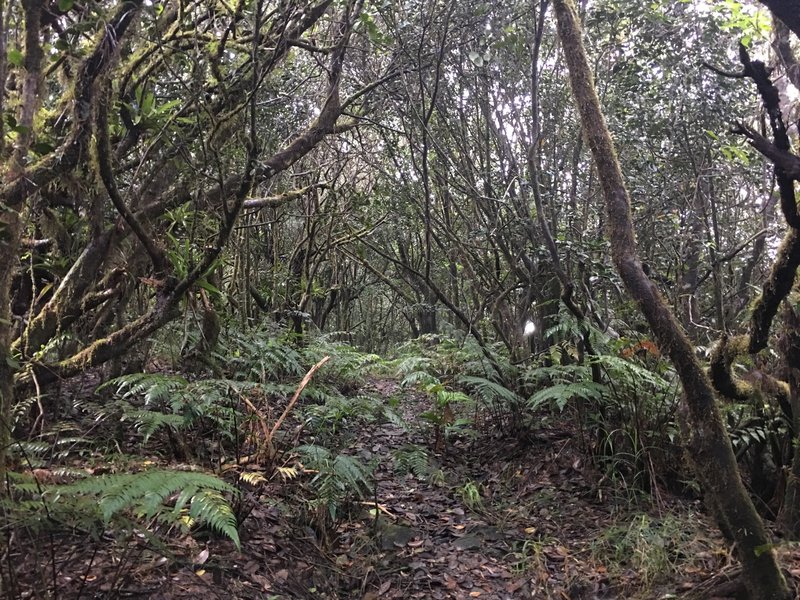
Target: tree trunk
{"type": "Point", "coordinates": [789, 516]}
{"type": "Point", "coordinates": [10, 231]}
{"type": "Point", "coordinates": [709, 445]}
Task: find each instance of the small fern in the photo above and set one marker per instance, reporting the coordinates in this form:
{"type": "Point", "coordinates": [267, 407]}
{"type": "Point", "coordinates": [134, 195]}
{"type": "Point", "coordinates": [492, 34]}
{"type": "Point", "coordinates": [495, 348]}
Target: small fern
{"type": "Point", "coordinates": [338, 478]}
{"type": "Point", "coordinates": [412, 459]}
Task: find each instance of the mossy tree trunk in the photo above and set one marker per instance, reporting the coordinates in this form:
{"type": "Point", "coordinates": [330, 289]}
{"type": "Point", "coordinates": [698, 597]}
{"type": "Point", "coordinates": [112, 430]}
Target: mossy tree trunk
{"type": "Point", "coordinates": [709, 445]}
{"type": "Point", "coordinates": [789, 517]}
{"type": "Point", "coordinates": [11, 216]}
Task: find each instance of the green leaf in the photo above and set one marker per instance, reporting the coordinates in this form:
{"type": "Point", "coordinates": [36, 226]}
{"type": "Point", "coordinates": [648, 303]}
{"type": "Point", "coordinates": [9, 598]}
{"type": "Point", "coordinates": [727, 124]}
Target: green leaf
{"type": "Point", "coordinates": [65, 5]}
{"type": "Point", "coordinates": [203, 283]}
{"type": "Point", "coordinates": [42, 148]}
{"type": "Point", "coordinates": [15, 57]}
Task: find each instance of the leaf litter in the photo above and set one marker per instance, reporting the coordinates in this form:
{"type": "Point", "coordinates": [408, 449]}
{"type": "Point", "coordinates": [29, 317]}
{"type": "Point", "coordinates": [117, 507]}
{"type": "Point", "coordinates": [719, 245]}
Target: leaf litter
{"type": "Point", "coordinates": [494, 518]}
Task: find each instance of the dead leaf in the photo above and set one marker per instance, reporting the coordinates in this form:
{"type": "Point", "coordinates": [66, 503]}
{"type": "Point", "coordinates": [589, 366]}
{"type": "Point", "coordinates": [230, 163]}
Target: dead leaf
{"type": "Point", "coordinates": [201, 557]}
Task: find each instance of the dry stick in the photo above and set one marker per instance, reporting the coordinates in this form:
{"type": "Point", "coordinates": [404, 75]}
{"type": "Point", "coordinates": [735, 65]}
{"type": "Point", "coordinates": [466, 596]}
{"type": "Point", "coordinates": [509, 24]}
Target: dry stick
{"type": "Point", "coordinates": [293, 401]}
{"type": "Point", "coordinates": [262, 420]}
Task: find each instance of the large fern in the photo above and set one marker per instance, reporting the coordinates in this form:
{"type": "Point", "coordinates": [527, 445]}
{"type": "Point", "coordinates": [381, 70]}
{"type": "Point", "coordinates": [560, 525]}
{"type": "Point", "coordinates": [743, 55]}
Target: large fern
{"type": "Point", "coordinates": [159, 494]}
{"type": "Point", "coordinates": [489, 391]}
{"type": "Point", "coordinates": [562, 394]}
{"type": "Point", "coordinates": [153, 387]}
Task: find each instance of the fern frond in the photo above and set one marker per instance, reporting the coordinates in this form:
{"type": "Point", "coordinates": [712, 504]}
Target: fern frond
{"type": "Point", "coordinates": [396, 419]}
{"type": "Point", "coordinates": [412, 459]}
{"type": "Point", "coordinates": [418, 379]}
{"type": "Point", "coordinates": [489, 391]}
{"type": "Point", "coordinates": [314, 455]}
{"type": "Point", "coordinates": [413, 363]}
{"type": "Point", "coordinates": [154, 387]}
{"type": "Point", "coordinates": [144, 494]}
{"type": "Point", "coordinates": [252, 477]}
{"type": "Point", "coordinates": [147, 422]}
{"type": "Point", "coordinates": [287, 473]}
{"type": "Point", "coordinates": [630, 374]}
{"type": "Point", "coordinates": [210, 507]}
{"type": "Point", "coordinates": [352, 471]}
{"type": "Point", "coordinates": [563, 393]}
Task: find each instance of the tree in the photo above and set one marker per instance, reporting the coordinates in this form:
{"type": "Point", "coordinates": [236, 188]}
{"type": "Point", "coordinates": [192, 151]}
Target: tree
{"type": "Point", "coordinates": [138, 133]}
{"type": "Point", "coordinates": [709, 445]}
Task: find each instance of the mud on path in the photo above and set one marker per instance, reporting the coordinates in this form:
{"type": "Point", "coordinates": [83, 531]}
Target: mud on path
{"type": "Point", "coordinates": [488, 518]}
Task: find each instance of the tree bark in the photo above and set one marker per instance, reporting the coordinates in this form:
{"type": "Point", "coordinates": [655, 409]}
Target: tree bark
{"type": "Point", "coordinates": [787, 11]}
{"type": "Point", "coordinates": [709, 445]}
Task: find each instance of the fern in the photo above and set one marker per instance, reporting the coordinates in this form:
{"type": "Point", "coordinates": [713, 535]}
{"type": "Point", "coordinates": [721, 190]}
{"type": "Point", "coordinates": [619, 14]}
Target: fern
{"type": "Point", "coordinates": [630, 374]}
{"type": "Point", "coordinates": [147, 422]}
{"type": "Point", "coordinates": [557, 374]}
{"type": "Point", "coordinates": [210, 507]}
{"type": "Point", "coordinates": [562, 393]}
{"type": "Point", "coordinates": [338, 413]}
{"type": "Point", "coordinates": [347, 368]}
{"type": "Point", "coordinates": [419, 379]}
{"type": "Point", "coordinates": [259, 356]}
{"type": "Point", "coordinates": [412, 459]}
{"type": "Point", "coordinates": [37, 453]}
{"type": "Point", "coordinates": [154, 387]}
{"type": "Point", "coordinates": [145, 496]}
{"type": "Point", "coordinates": [396, 419]}
{"type": "Point", "coordinates": [489, 391]}
{"type": "Point", "coordinates": [414, 364]}
{"type": "Point", "coordinates": [338, 478]}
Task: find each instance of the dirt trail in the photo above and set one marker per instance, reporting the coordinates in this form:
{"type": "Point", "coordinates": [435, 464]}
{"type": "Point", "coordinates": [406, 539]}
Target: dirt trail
{"type": "Point", "coordinates": [489, 518]}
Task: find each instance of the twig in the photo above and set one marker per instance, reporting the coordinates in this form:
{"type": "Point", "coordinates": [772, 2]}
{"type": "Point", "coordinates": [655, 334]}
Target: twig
{"type": "Point", "coordinates": [294, 399]}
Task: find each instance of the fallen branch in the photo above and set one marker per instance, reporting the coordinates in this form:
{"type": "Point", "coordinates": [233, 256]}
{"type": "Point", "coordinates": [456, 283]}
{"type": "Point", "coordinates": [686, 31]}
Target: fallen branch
{"type": "Point", "coordinates": [296, 396]}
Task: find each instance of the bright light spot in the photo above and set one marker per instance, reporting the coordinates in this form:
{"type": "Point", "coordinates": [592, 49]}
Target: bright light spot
{"type": "Point", "coordinates": [530, 327]}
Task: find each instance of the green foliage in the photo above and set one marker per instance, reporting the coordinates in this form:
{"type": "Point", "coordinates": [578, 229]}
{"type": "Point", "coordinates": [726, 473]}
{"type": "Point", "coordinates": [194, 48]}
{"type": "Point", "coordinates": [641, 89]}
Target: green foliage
{"type": "Point", "coordinates": [155, 401]}
{"type": "Point", "coordinates": [348, 367]}
{"type": "Point", "coordinates": [338, 480]}
{"type": "Point", "coordinates": [652, 547]}
{"type": "Point", "coordinates": [44, 452]}
{"type": "Point", "coordinates": [447, 358]}
{"type": "Point", "coordinates": [154, 388]}
{"type": "Point", "coordinates": [470, 494]}
{"type": "Point", "coordinates": [413, 459]}
{"type": "Point", "coordinates": [175, 498]}
{"type": "Point", "coordinates": [627, 417]}
{"type": "Point", "coordinates": [259, 356]}
{"type": "Point", "coordinates": [490, 392]}
{"type": "Point", "coordinates": [562, 394]}
{"type": "Point", "coordinates": [338, 414]}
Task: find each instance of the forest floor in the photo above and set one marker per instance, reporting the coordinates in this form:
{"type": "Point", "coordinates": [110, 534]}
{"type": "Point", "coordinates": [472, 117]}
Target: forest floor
{"type": "Point", "coordinates": [498, 519]}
